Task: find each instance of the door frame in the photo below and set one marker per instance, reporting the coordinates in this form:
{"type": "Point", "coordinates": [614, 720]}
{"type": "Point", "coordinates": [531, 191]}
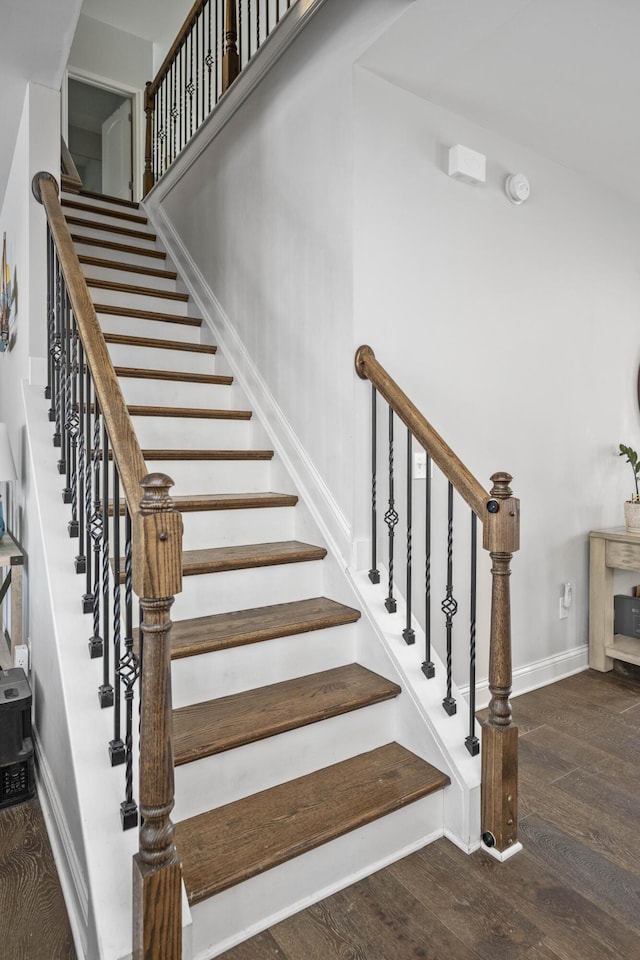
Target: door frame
{"type": "Point", "coordinates": [138, 126]}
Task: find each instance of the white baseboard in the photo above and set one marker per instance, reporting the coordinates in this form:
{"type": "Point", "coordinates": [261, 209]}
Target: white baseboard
{"type": "Point", "coordinates": [313, 489]}
{"type": "Point", "coordinates": [536, 674]}
{"type": "Point", "coordinates": [72, 880]}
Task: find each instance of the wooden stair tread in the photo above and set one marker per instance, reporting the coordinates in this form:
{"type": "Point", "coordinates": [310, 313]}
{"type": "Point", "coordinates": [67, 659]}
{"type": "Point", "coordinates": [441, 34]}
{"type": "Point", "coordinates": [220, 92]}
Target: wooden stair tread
{"type": "Point", "coordinates": [240, 840]}
{"type": "Point", "coordinates": [197, 413]}
{"type": "Point", "coordinates": [219, 559]}
{"type": "Point", "coordinates": [140, 373]}
{"type": "Point", "coordinates": [222, 631]}
{"type": "Point", "coordinates": [109, 199]}
{"type": "Point", "coordinates": [103, 211]}
{"type": "Point", "coordinates": [126, 267]}
{"type": "Point", "coordinates": [146, 314]}
{"type": "Point", "coordinates": [122, 247]}
{"type": "Point", "coordinates": [128, 339]}
{"type": "Point", "coordinates": [204, 729]}
{"type": "Point", "coordinates": [135, 290]}
{"type": "Point", "coordinates": [180, 454]}
{"type": "Point", "coordinates": [110, 228]}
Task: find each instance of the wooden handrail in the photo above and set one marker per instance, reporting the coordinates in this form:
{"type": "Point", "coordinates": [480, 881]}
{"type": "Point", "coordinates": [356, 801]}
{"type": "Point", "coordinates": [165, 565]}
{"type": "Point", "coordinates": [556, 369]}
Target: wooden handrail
{"type": "Point", "coordinates": [157, 577]}
{"type": "Point", "coordinates": [183, 33]}
{"type": "Point", "coordinates": [71, 179]}
{"type": "Point", "coordinates": [499, 512]}
{"type": "Point", "coordinates": [368, 368]}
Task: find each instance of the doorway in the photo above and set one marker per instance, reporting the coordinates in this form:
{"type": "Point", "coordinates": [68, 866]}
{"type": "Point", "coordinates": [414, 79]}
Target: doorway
{"type": "Point", "coordinates": [100, 137]}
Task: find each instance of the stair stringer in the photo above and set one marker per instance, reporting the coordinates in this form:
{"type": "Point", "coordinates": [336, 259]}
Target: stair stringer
{"type": "Point", "coordinates": [421, 723]}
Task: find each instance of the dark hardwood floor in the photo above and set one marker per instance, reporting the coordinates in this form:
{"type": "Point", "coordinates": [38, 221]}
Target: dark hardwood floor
{"type": "Point", "coordinates": [33, 917]}
{"type": "Point", "coordinates": [572, 894]}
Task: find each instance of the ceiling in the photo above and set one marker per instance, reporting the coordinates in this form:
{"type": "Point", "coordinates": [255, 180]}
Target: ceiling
{"type": "Point", "coordinates": [157, 21]}
{"type": "Point", "coordinates": [560, 76]}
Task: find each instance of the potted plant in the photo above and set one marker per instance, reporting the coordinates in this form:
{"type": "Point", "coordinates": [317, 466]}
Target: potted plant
{"type": "Point", "coordinates": [632, 507]}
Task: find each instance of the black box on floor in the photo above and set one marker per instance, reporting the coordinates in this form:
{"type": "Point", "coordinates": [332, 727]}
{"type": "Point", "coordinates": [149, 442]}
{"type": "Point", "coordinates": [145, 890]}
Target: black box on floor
{"type": "Point", "coordinates": [17, 781]}
{"type": "Point", "coordinates": [626, 615]}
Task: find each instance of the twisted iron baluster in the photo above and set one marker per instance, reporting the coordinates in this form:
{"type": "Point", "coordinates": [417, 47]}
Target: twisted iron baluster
{"type": "Point", "coordinates": [128, 672]}
{"type": "Point", "coordinates": [427, 667]}
{"type": "Point", "coordinates": [472, 743]}
{"type": "Point", "coordinates": [81, 559]}
{"type": "Point", "coordinates": [408, 634]}
{"type": "Point", "coordinates": [56, 351]}
{"type": "Point", "coordinates": [391, 519]}
{"type": "Point", "coordinates": [105, 691]}
{"type": "Point", "coordinates": [209, 58]}
{"type": "Point", "coordinates": [257, 24]}
{"type": "Point", "coordinates": [449, 606]}
{"type": "Point", "coordinates": [73, 429]}
{"type": "Point", "coordinates": [116, 747]}
{"type": "Point", "coordinates": [51, 323]}
{"type": "Point", "coordinates": [64, 465]}
{"type": "Point", "coordinates": [95, 642]}
{"type": "Point", "coordinates": [87, 600]}
{"type": "Point", "coordinates": [374, 573]}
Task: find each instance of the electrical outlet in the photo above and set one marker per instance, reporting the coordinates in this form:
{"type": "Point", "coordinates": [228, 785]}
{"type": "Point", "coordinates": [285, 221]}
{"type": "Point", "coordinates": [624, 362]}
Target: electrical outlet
{"type": "Point", "coordinates": [563, 612]}
{"type": "Point", "coordinates": [420, 466]}
{"type": "Point", "coordinates": [21, 658]}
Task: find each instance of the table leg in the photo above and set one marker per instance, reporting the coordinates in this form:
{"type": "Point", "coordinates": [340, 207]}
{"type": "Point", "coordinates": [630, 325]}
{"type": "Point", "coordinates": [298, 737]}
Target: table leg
{"type": "Point", "coordinates": [600, 606]}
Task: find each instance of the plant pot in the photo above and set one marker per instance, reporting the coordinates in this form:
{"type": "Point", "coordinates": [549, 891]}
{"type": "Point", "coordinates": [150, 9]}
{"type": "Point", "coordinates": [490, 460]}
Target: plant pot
{"type": "Point", "coordinates": [632, 517]}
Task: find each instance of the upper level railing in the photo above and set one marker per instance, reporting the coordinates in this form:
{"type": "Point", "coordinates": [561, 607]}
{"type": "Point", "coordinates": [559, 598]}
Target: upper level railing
{"type": "Point", "coordinates": [499, 513]}
{"type": "Point", "coordinates": [118, 507]}
{"type": "Point", "coordinates": [217, 39]}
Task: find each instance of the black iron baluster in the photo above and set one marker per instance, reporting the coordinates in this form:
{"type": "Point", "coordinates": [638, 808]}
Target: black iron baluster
{"type": "Point", "coordinates": [449, 605]}
{"type": "Point", "coordinates": [266, 19]}
{"type": "Point", "coordinates": [95, 642]}
{"type": "Point", "coordinates": [408, 634]}
{"type": "Point", "coordinates": [105, 691]}
{"type": "Point", "coordinates": [57, 358]}
{"type": "Point", "coordinates": [190, 85]}
{"type": "Point", "coordinates": [73, 428]}
{"type": "Point", "coordinates": [218, 58]}
{"type": "Point", "coordinates": [257, 24]}
{"type": "Point", "coordinates": [64, 463]}
{"type": "Point", "coordinates": [116, 747]}
{"type": "Point", "coordinates": [128, 671]}
{"type": "Point", "coordinates": [427, 667]}
{"type": "Point", "coordinates": [87, 600]}
{"type": "Point", "coordinates": [391, 519]}
{"type": "Point", "coordinates": [374, 573]}
{"type": "Point", "coordinates": [81, 559]}
{"type": "Point", "coordinates": [472, 743]}
{"type": "Point", "coordinates": [49, 391]}
{"type": "Point", "coordinates": [174, 112]}
{"type": "Point", "coordinates": [240, 61]}
{"type": "Point", "coordinates": [209, 57]}
{"type": "Point", "coordinates": [183, 114]}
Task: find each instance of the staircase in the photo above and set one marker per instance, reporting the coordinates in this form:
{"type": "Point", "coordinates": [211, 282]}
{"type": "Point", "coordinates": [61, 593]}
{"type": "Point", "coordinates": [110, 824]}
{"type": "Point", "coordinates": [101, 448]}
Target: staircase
{"type": "Point", "coordinates": [289, 782]}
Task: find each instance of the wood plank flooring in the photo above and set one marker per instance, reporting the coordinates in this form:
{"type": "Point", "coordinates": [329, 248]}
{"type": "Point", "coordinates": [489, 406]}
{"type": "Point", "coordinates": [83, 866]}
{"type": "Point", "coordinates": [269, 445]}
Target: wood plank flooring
{"type": "Point", "coordinates": [33, 918]}
{"type": "Point", "coordinates": [572, 894]}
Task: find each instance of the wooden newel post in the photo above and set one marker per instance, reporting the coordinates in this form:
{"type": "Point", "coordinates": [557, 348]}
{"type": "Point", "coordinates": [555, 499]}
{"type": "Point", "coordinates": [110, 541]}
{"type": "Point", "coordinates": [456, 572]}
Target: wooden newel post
{"type": "Point", "coordinates": [157, 920]}
{"type": "Point", "coordinates": [501, 535]}
{"type": "Point", "coordinates": [149, 108]}
{"type": "Point", "coordinates": [230, 60]}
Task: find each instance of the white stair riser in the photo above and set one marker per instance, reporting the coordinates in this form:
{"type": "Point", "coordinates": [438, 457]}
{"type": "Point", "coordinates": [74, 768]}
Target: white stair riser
{"type": "Point", "coordinates": [256, 904]}
{"type": "Point", "coordinates": [234, 774]}
{"type": "Point", "coordinates": [93, 250]}
{"type": "Point", "coordinates": [141, 327]}
{"type": "Point", "coordinates": [176, 393]}
{"type": "Point", "coordinates": [224, 672]}
{"type": "Point", "coordinates": [230, 528]}
{"type": "Point", "coordinates": [244, 589]}
{"type": "Point", "coordinates": [222, 528]}
{"type": "Point", "coordinates": [215, 476]}
{"type": "Point", "coordinates": [130, 276]}
{"type": "Point", "coordinates": [103, 204]}
{"type": "Point", "coordinates": [192, 432]}
{"type": "Point", "coordinates": [157, 358]}
{"type": "Point", "coordinates": [107, 215]}
{"type": "Point", "coordinates": [87, 230]}
{"type": "Point", "coordinates": [136, 301]}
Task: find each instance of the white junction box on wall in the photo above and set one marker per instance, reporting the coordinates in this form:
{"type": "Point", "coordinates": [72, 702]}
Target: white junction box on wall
{"type": "Point", "coordinates": [467, 165]}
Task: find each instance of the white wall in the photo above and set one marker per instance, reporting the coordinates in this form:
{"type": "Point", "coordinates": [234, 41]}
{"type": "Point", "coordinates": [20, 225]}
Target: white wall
{"type": "Point", "coordinates": [514, 329]}
{"type": "Point", "coordinates": [266, 213]}
{"type": "Point", "coordinates": [104, 51]}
